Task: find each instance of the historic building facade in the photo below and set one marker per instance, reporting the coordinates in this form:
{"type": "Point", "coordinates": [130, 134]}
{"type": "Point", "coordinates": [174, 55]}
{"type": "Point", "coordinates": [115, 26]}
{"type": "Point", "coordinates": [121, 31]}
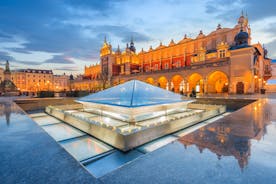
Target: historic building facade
{"type": "Point", "coordinates": [1, 74]}
{"type": "Point", "coordinates": [33, 80]}
{"type": "Point", "coordinates": [61, 82]}
{"type": "Point", "coordinates": [224, 60]}
{"type": "Point", "coordinates": [92, 71]}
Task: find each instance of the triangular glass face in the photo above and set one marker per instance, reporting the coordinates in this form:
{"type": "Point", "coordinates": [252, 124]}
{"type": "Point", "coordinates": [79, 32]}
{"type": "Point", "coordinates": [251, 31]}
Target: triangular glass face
{"type": "Point", "coordinates": [133, 94]}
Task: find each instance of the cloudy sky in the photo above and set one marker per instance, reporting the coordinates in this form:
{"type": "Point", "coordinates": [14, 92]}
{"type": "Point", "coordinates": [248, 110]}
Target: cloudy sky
{"type": "Point", "coordinates": [66, 35]}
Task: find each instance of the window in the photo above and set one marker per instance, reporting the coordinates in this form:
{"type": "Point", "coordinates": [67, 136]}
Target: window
{"type": "Point", "coordinates": [222, 54]}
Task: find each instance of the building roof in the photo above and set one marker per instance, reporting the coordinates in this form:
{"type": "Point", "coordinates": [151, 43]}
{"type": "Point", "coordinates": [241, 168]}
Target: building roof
{"type": "Point", "coordinates": [133, 94]}
{"type": "Point", "coordinates": [35, 71]}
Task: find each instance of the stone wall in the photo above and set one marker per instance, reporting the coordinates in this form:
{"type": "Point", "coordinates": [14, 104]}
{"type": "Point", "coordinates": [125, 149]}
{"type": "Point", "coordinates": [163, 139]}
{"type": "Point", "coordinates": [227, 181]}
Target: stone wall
{"type": "Point", "coordinates": [41, 103]}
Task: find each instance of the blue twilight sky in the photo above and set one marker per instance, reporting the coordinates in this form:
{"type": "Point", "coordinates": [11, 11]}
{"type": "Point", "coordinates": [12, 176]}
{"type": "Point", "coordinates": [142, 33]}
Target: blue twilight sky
{"type": "Point", "coordinates": [66, 35]}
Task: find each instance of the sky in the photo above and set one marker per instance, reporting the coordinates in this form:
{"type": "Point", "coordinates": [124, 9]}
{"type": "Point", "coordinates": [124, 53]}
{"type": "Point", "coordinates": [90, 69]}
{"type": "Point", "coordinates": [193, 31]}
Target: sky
{"type": "Point", "coordinates": [66, 35]}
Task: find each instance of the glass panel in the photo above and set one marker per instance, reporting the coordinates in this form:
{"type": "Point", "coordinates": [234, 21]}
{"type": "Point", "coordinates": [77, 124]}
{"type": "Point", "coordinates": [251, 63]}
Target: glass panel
{"type": "Point", "coordinates": [71, 111]}
{"type": "Point", "coordinates": [108, 121]}
{"type": "Point", "coordinates": [37, 114]}
{"type": "Point", "coordinates": [118, 95]}
{"type": "Point", "coordinates": [83, 114]}
{"type": "Point", "coordinates": [46, 120]}
{"type": "Point", "coordinates": [146, 94]}
{"type": "Point", "coordinates": [129, 128]}
{"type": "Point", "coordinates": [85, 147]}
{"type": "Point", "coordinates": [111, 162]}
{"type": "Point", "coordinates": [133, 94]}
{"type": "Point", "coordinates": [62, 131]}
{"type": "Point", "coordinates": [158, 143]}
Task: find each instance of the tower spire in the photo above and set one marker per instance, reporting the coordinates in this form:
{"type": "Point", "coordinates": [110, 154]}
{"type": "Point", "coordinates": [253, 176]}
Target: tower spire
{"type": "Point", "coordinates": [7, 68]}
{"type": "Point", "coordinates": [131, 40]}
{"type": "Point", "coordinates": [118, 49]}
{"type": "Point", "coordinates": [132, 47]}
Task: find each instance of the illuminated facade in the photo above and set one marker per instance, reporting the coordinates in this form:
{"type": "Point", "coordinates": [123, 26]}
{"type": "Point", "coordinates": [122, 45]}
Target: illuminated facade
{"type": "Point", "coordinates": [1, 74]}
{"type": "Point", "coordinates": [231, 139]}
{"type": "Point", "coordinates": [221, 61]}
{"type": "Point", "coordinates": [61, 82]}
{"type": "Point", "coordinates": [92, 71]}
{"type": "Point", "coordinates": [33, 80]}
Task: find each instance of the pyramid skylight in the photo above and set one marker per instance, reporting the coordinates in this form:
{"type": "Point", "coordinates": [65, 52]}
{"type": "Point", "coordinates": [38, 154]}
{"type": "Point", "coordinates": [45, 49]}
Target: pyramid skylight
{"type": "Point", "coordinates": [133, 94]}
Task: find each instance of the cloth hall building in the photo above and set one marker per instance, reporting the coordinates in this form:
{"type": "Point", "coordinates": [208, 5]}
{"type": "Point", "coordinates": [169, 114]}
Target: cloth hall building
{"type": "Point", "coordinates": [224, 60]}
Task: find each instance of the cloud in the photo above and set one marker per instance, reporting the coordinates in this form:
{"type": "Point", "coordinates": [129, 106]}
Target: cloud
{"type": "Point", "coordinates": [20, 50]}
{"type": "Point", "coordinates": [4, 36]}
{"type": "Point", "coordinates": [60, 59]}
{"type": "Point", "coordinates": [5, 56]}
{"type": "Point", "coordinates": [72, 31]}
{"type": "Point", "coordinates": [228, 9]}
{"type": "Point", "coordinates": [67, 68]}
{"type": "Point", "coordinates": [272, 47]}
{"type": "Point", "coordinates": [28, 63]}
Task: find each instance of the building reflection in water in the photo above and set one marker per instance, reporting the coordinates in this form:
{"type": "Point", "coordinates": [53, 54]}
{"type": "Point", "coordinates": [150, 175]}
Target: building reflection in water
{"type": "Point", "coordinates": [230, 136]}
{"type": "Point", "coordinates": [6, 109]}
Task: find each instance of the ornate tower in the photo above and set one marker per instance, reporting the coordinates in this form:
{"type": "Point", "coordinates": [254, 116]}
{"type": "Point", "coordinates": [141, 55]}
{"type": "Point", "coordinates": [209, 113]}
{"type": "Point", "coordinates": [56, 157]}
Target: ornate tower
{"type": "Point", "coordinates": [132, 47]}
{"type": "Point", "coordinates": [7, 72]}
{"type": "Point", "coordinates": [107, 60]}
{"type": "Point", "coordinates": [7, 86]}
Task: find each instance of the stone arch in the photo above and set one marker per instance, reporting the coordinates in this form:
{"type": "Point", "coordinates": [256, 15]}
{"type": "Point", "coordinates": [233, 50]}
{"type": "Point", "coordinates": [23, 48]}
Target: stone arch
{"type": "Point", "coordinates": [163, 82]}
{"type": "Point", "coordinates": [217, 82]}
{"type": "Point", "coordinates": [150, 80]}
{"type": "Point", "coordinates": [195, 81]}
{"type": "Point", "coordinates": [177, 83]}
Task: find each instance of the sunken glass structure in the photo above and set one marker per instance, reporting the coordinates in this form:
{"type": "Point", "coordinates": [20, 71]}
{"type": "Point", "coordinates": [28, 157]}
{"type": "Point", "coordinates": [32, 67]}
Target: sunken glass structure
{"type": "Point", "coordinates": [133, 113]}
{"type": "Point", "coordinates": [134, 101]}
{"type": "Point", "coordinates": [133, 94]}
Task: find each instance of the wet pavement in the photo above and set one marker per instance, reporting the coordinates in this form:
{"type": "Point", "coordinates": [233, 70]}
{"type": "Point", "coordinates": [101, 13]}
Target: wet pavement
{"type": "Point", "coordinates": [236, 148]}
{"type": "Point", "coordinates": [29, 155]}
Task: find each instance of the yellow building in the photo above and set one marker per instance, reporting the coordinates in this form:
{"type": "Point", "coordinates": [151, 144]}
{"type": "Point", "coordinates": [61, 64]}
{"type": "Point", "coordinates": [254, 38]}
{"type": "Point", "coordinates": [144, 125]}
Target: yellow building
{"type": "Point", "coordinates": [1, 74]}
{"type": "Point", "coordinates": [92, 71]}
{"type": "Point", "coordinates": [61, 82]}
{"type": "Point", "coordinates": [221, 61]}
{"type": "Point", "coordinates": [33, 80]}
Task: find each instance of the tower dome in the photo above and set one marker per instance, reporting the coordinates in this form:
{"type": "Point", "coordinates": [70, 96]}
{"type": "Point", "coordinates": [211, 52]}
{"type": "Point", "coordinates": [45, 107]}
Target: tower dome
{"type": "Point", "coordinates": [71, 77]}
{"type": "Point", "coordinates": [242, 38]}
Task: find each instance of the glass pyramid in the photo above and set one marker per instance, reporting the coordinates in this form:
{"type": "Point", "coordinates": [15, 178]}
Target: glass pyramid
{"type": "Point", "coordinates": [131, 94]}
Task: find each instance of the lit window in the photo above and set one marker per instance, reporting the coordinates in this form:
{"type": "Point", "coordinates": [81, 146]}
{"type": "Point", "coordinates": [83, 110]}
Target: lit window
{"type": "Point", "coordinates": [222, 54]}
